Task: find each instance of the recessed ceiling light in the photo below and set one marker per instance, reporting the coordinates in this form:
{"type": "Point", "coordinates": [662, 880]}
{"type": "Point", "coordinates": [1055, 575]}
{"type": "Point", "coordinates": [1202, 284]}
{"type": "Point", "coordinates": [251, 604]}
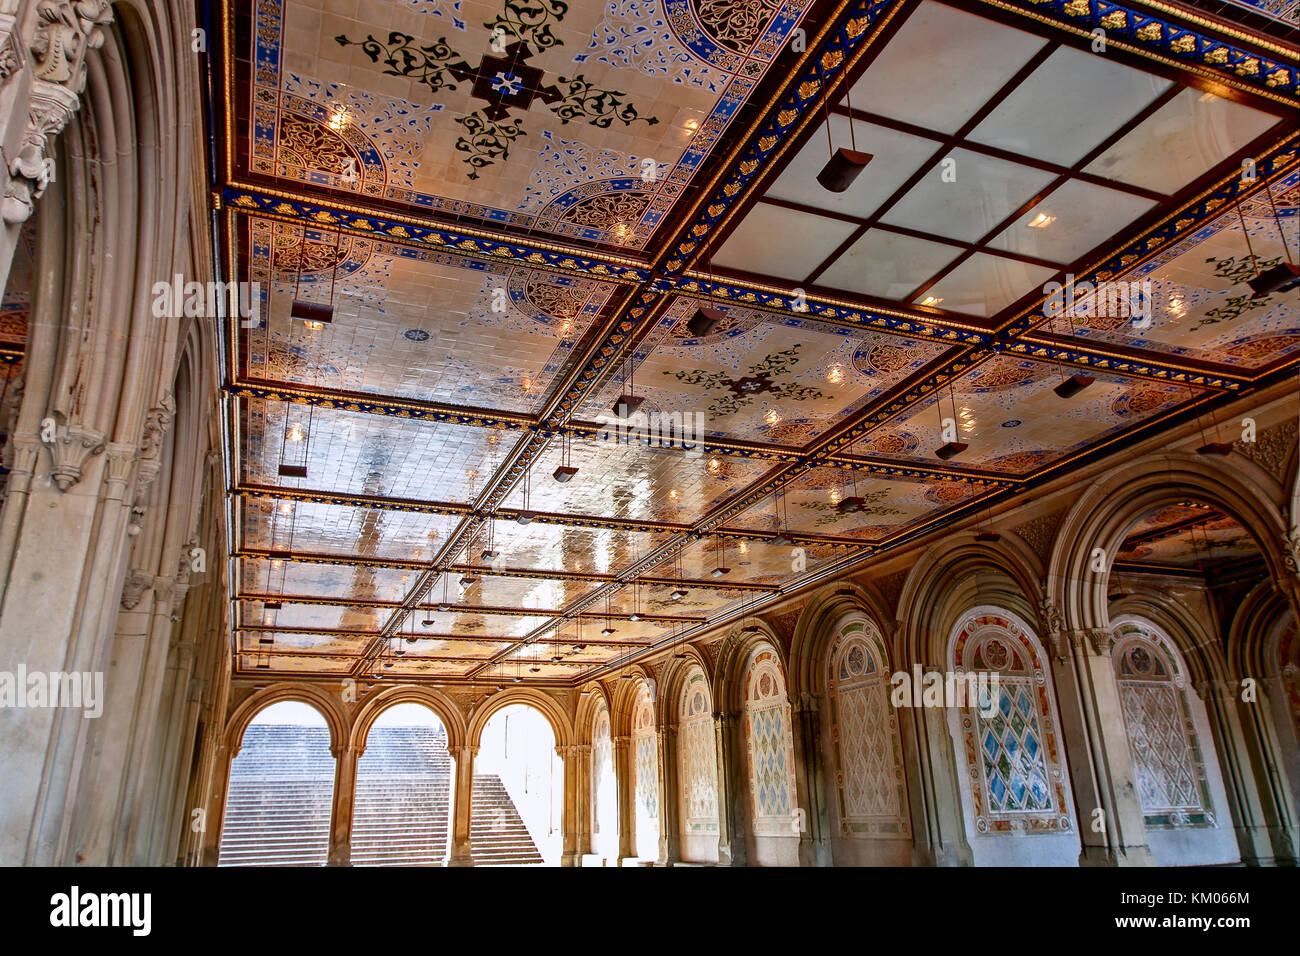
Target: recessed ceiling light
{"type": "Point", "coordinates": [416, 335]}
{"type": "Point", "coordinates": [1041, 221]}
{"type": "Point", "coordinates": [1012, 423]}
{"type": "Point", "coordinates": [931, 300]}
{"type": "Point", "coordinates": [313, 324]}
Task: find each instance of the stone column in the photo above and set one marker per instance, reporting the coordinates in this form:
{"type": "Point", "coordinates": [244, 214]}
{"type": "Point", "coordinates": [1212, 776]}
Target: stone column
{"type": "Point", "coordinates": [622, 748]}
{"type": "Point", "coordinates": [1256, 756]}
{"type": "Point", "coordinates": [345, 785]}
{"type": "Point", "coordinates": [733, 790]}
{"type": "Point", "coordinates": [214, 815]}
{"type": "Point", "coordinates": [1097, 751]}
{"type": "Point", "coordinates": [582, 792]}
{"type": "Point", "coordinates": [572, 804]}
{"type": "Point", "coordinates": [463, 808]}
{"type": "Point", "coordinates": [810, 783]}
{"type": "Point", "coordinates": [933, 782]}
{"type": "Point", "coordinates": [669, 829]}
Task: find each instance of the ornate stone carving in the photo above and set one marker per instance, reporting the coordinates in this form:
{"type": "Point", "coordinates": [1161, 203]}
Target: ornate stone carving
{"type": "Point", "coordinates": [72, 447]}
{"type": "Point", "coordinates": [891, 586]}
{"type": "Point", "coordinates": [1291, 551]}
{"type": "Point", "coordinates": [156, 424]}
{"type": "Point", "coordinates": [1272, 448]}
{"type": "Point", "coordinates": [66, 30]}
{"type": "Point", "coordinates": [137, 582]}
{"type": "Point", "coordinates": [1053, 620]}
{"type": "Point", "coordinates": [144, 477]}
{"type": "Point", "coordinates": [1039, 533]}
{"type": "Point", "coordinates": [11, 52]}
{"type": "Point", "coordinates": [49, 108]}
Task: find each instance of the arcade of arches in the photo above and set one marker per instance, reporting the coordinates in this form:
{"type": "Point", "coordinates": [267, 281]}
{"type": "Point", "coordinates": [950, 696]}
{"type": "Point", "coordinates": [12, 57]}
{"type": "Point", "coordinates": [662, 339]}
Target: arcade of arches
{"type": "Point", "coordinates": [354, 576]}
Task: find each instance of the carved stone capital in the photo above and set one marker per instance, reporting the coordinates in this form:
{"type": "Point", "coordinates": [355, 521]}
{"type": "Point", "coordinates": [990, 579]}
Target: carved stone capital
{"type": "Point", "coordinates": [1093, 640]}
{"type": "Point", "coordinates": [72, 447]}
{"type": "Point", "coordinates": [137, 582]}
{"type": "Point", "coordinates": [66, 30]}
{"type": "Point", "coordinates": [121, 457]}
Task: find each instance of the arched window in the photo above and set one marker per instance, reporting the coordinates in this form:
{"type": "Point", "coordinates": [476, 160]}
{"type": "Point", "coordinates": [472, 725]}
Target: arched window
{"type": "Point", "coordinates": [281, 794]}
{"type": "Point", "coordinates": [1010, 741]}
{"type": "Point", "coordinates": [1168, 768]}
{"type": "Point", "coordinates": [604, 789]}
{"type": "Point", "coordinates": [770, 746]}
{"type": "Point", "coordinates": [646, 770]}
{"type": "Point", "coordinates": [865, 754]}
{"type": "Point", "coordinates": [697, 770]}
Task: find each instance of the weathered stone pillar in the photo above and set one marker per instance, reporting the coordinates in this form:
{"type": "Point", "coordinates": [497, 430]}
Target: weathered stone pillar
{"type": "Point", "coordinates": [669, 809]}
{"type": "Point", "coordinates": [810, 784]}
{"type": "Point", "coordinates": [572, 804]}
{"type": "Point", "coordinates": [214, 814]}
{"type": "Point", "coordinates": [463, 808]}
{"type": "Point", "coordinates": [1248, 749]}
{"type": "Point", "coordinates": [622, 749]}
{"type": "Point", "coordinates": [582, 783]}
{"type": "Point", "coordinates": [733, 790]}
{"type": "Point", "coordinates": [1097, 751]}
{"type": "Point", "coordinates": [932, 788]}
{"type": "Point", "coordinates": [345, 785]}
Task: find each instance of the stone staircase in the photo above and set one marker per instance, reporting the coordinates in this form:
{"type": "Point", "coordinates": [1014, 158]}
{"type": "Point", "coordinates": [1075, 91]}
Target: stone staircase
{"type": "Point", "coordinates": [498, 836]}
{"type": "Point", "coordinates": [281, 791]}
{"type": "Point", "coordinates": [279, 800]}
{"type": "Point", "coordinates": [403, 797]}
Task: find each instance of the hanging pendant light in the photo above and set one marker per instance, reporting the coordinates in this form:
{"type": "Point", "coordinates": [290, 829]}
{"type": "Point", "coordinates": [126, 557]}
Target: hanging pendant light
{"type": "Point", "coordinates": [1280, 276]}
{"type": "Point", "coordinates": [844, 165]}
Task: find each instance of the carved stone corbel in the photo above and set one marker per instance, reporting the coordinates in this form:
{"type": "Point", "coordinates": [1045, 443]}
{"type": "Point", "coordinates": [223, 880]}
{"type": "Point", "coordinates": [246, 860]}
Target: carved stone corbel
{"type": "Point", "coordinates": [137, 582]}
{"type": "Point", "coordinates": [49, 108]}
{"type": "Point", "coordinates": [11, 52]}
{"type": "Point", "coordinates": [145, 473]}
{"type": "Point", "coordinates": [156, 424]}
{"type": "Point", "coordinates": [1291, 551]}
{"type": "Point", "coordinates": [72, 447]}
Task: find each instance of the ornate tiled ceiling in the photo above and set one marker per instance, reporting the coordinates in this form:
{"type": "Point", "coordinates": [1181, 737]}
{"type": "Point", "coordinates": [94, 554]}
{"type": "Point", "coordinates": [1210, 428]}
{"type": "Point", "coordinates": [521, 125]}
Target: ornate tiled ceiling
{"type": "Point", "coordinates": [511, 211]}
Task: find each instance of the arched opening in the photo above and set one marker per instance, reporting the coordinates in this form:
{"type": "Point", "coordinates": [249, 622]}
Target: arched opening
{"type": "Point", "coordinates": [775, 818]}
{"type": "Point", "coordinates": [401, 814]}
{"type": "Point", "coordinates": [864, 755]}
{"type": "Point", "coordinates": [518, 802]}
{"type": "Point", "coordinates": [1015, 796]}
{"type": "Point", "coordinates": [604, 789]}
{"type": "Point", "coordinates": [697, 770]}
{"type": "Point", "coordinates": [1175, 769]}
{"type": "Point", "coordinates": [281, 791]}
{"type": "Point", "coordinates": [645, 775]}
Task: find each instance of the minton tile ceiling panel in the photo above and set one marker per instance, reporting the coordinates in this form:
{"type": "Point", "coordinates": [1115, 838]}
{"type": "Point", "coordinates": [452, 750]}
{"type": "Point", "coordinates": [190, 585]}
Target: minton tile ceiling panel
{"type": "Point", "coordinates": [413, 323]}
{"type": "Point", "coordinates": [501, 591]}
{"type": "Point", "coordinates": [1202, 308]}
{"type": "Point", "coordinates": [758, 376]}
{"type": "Point", "coordinates": [355, 453]}
{"type": "Point", "coordinates": [345, 646]}
{"type": "Point", "coordinates": [1189, 535]}
{"type": "Point", "coordinates": [291, 616]}
{"type": "Point", "coordinates": [309, 662]}
{"type": "Point", "coordinates": [553, 547]}
{"type": "Point", "coordinates": [587, 121]}
{"type": "Point", "coordinates": [309, 579]}
{"type": "Point", "coordinates": [748, 562]}
{"type": "Point", "coordinates": [810, 504]}
{"type": "Point", "coordinates": [317, 528]}
{"type": "Point", "coordinates": [1005, 409]}
{"type": "Point", "coordinates": [629, 480]}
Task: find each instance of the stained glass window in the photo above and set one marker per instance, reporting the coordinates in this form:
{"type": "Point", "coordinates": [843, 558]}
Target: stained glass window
{"type": "Point", "coordinates": [697, 771]}
{"type": "Point", "coordinates": [770, 744]}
